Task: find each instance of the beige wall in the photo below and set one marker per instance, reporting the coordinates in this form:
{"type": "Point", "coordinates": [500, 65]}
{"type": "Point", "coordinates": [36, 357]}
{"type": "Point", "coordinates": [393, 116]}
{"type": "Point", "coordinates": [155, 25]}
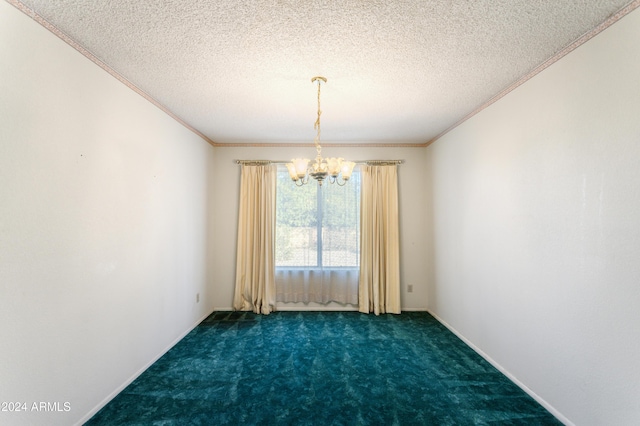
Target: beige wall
{"type": "Point", "coordinates": [104, 218]}
{"type": "Point", "coordinates": [412, 205]}
{"type": "Point", "coordinates": [535, 207]}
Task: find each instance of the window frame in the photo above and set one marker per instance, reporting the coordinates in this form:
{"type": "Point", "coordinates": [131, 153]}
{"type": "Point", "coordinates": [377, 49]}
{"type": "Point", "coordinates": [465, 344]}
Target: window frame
{"type": "Point", "coordinates": [319, 222]}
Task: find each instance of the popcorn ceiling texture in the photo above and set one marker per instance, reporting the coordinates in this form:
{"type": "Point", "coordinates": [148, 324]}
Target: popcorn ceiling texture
{"type": "Point", "coordinates": [401, 71]}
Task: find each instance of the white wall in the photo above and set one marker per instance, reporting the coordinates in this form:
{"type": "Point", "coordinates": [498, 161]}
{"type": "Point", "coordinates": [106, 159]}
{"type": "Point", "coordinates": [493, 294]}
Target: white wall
{"type": "Point", "coordinates": [412, 206]}
{"type": "Point", "coordinates": [536, 231]}
{"type": "Point", "coordinates": [104, 214]}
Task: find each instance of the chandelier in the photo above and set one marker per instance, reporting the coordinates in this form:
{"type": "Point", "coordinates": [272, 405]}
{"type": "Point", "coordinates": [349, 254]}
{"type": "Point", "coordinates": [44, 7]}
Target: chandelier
{"type": "Point", "coordinates": [334, 169]}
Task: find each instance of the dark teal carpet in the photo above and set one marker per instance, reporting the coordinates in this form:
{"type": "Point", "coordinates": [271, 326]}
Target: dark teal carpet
{"type": "Point", "coordinates": [321, 368]}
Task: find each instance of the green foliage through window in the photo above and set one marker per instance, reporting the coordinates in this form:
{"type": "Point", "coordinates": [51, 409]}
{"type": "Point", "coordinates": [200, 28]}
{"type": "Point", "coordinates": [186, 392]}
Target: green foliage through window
{"type": "Point", "coordinates": [317, 226]}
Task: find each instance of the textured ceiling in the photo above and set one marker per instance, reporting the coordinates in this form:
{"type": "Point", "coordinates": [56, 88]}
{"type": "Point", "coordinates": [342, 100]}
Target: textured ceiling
{"type": "Point", "coordinates": [399, 71]}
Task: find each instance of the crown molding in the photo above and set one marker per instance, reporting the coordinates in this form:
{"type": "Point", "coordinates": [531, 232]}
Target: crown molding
{"type": "Point", "coordinates": [630, 7]}
{"type": "Point", "coordinates": [546, 64]}
{"type": "Point", "coordinates": [83, 51]}
{"type": "Point", "coordinates": [324, 145]}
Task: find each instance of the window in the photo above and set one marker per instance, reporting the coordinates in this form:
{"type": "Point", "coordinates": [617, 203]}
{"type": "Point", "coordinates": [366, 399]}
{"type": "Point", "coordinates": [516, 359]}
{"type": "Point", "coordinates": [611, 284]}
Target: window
{"type": "Point", "coordinates": [317, 226]}
{"type": "Point", "coordinates": [317, 240]}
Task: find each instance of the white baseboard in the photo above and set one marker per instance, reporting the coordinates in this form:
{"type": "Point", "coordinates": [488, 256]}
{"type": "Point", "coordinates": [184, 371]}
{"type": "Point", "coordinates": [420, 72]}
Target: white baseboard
{"type": "Point", "coordinates": [296, 307]}
{"type": "Point", "coordinates": [113, 394]}
{"type": "Point", "coordinates": [511, 377]}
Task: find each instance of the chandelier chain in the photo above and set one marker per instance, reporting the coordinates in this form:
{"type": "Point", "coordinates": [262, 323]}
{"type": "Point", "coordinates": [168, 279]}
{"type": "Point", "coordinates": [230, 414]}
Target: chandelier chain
{"type": "Point", "coordinates": [316, 125]}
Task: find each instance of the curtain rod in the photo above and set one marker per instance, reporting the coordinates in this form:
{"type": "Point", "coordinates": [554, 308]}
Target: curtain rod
{"type": "Point", "coordinates": [367, 162]}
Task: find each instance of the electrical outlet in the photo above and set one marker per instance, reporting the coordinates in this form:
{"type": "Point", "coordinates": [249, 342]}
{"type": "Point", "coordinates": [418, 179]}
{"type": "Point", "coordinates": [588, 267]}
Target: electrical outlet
{"type": "Point", "coordinates": [197, 297]}
{"type": "Point", "coordinates": [410, 288]}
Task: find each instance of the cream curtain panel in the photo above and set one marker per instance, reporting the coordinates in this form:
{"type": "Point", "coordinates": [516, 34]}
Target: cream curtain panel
{"type": "Point", "coordinates": [379, 287]}
{"type": "Point", "coordinates": [255, 261]}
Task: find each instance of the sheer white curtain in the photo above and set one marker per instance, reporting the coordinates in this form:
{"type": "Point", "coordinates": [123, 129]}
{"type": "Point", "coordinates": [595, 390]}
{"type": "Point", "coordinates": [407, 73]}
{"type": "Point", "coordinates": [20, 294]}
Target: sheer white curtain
{"type": "Point", "coordinates": [317, 249]}
{"type": "Point", "coordinates": [379, 289]}
{"type": "Point", "coordinates": [255, 261]}
{"type": "Point", "coordinates": [317, 285]}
